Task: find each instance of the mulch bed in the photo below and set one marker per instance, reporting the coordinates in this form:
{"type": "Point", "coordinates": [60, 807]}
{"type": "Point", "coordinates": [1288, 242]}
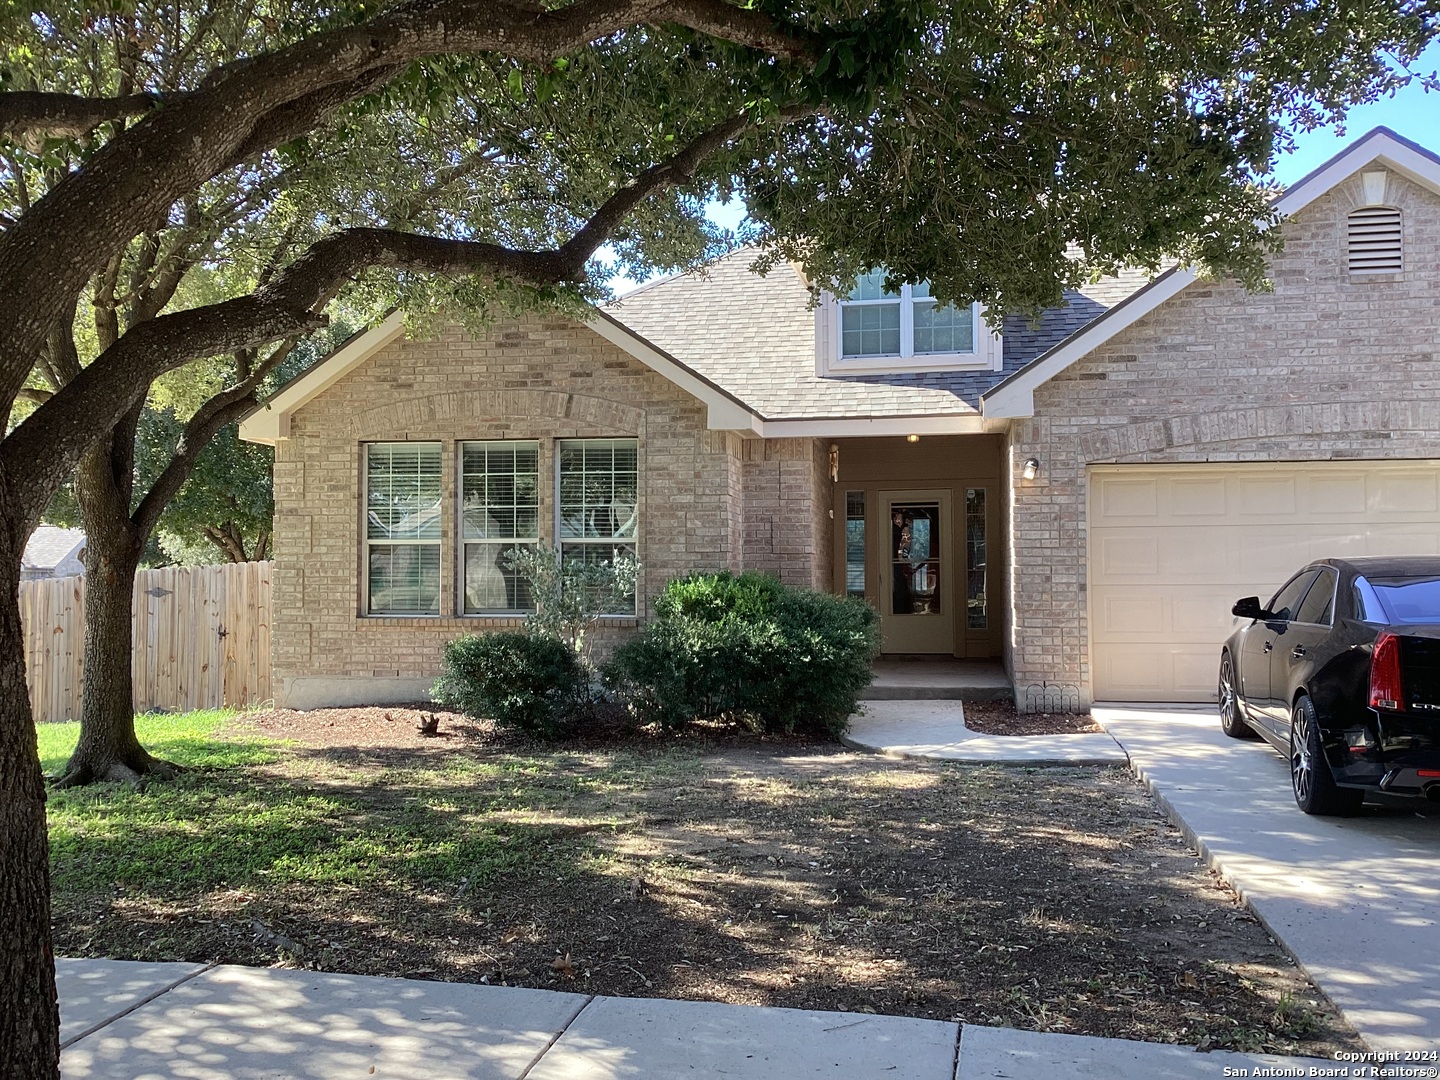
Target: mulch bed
{"type": "Point", "coordinates": [714, 866]}
{"type": "Point", "coordinates": [1000, 718]}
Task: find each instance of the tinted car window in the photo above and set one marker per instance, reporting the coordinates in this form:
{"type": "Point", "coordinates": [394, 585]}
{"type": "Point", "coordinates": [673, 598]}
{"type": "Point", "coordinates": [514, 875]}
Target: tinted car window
{"type": "Point", "coordinates": [1283, 604]}
{"type": "Point", "coordinates": [1319, 602]}
{"type": "Point", "coordinates": [1409, 600]}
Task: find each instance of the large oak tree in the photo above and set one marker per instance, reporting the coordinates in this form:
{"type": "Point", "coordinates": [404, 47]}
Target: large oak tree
{"type": "Point", "coordinates": [977, 144]}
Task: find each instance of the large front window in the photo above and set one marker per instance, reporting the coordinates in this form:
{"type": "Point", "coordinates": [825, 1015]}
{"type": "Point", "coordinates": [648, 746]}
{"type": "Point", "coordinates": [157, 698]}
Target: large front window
{"type": "Point", "coordinates": [877, 323]}
{"type": "Point", "coordinates": [402, 528]}
{"type": "Point", "coordinates": [499, 511]}
{"type": "Point", "coordinates": [598, 511]}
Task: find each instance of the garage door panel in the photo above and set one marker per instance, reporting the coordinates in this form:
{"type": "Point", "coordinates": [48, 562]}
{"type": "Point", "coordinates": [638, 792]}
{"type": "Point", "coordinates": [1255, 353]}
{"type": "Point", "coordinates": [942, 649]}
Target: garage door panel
{"type": "Point", "coordinates": [1179, 613]}
{"type": "Point", "coordinates": [1199, 498]}
{"type": "Point", "coordinates": [1260, 498]}
{"type": "Point", "coordinates": [1172, 548]}
{"type": "Point", "coordinates": [1405, 495]}
{"type": "Point", "coordinates": [1137, 556]}
{"type": "Point", "coordinates": [1129, 554]}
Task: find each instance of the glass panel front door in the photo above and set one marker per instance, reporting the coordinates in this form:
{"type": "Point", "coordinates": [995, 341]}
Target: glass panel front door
{"type": "Point", "coordinates": [915, 533]}
{"type": "Point", "coordinates": [917, 590]}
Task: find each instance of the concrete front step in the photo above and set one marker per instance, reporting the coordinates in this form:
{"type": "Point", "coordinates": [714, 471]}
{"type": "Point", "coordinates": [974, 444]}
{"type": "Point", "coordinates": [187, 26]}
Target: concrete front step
{"type": "Point", "coordinates": [941, 679]}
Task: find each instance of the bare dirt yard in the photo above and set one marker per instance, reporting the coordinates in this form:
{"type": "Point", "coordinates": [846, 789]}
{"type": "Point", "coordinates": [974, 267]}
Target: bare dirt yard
{"type": "Point", "coordinates": [710, 865]}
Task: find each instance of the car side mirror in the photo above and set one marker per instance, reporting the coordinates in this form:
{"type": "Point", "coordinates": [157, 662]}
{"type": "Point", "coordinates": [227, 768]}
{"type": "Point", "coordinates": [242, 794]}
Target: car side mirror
{"type": "Point", "coordinates": [1248, 608]}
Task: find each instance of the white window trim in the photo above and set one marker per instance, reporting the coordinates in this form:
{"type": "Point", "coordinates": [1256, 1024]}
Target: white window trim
{"type": "Point", "coordinates": [367, 541]}
{"type": "Point", "coordinates": [461, 543]}
{"type": "Point", "coordinates": [630, 541]}
{"type": "Point", "coordinates": [988, 354]}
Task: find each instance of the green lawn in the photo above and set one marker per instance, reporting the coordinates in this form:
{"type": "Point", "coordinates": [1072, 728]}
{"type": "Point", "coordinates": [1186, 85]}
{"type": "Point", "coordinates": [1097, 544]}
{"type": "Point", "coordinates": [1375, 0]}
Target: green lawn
{"type": "Point", "coordinates": [192, 738]}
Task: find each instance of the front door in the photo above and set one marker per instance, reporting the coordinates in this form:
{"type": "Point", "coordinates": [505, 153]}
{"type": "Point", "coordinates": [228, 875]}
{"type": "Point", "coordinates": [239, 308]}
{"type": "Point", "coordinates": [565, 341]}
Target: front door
{"type": "Point", "coordinates": [917, 593]}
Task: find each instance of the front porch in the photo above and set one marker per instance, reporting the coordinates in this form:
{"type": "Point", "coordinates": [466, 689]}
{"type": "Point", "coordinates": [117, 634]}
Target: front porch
{"type": "Point", "coordinates": [919, 533]}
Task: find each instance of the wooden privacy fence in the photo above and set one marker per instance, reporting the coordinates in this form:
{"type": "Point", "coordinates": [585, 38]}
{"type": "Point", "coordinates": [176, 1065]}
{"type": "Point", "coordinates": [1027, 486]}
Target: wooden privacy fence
{"type": "Point", "coordinates": [201, 639]}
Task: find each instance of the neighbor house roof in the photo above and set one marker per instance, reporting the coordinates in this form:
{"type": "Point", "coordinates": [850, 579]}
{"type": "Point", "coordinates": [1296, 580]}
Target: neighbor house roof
{"type": "Point", "coordinates": [755, 336]}
{"type": "Point", "coordinates": [49, 546]}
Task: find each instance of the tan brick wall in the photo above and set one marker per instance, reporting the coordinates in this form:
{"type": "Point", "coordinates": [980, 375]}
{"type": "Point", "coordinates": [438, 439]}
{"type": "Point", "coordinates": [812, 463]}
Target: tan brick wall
{"type": "Point", "coordinates": [787, 526]}
{"type": "Point", "coordinates": [533, 379]}
{"type": "Point", "coordinates": [1324, 367]}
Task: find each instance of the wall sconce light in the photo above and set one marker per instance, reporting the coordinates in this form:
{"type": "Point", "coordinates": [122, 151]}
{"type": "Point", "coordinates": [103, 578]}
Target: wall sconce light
{"type": "Point", "coordinates": [912, 438]}
{"type": "Point", "coordinates": [1031, 469]}
{"type": "Point", "coordinates": [834, 463]}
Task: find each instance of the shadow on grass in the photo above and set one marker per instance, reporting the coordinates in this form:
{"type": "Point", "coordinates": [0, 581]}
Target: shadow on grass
{"type": "Point", "coordinates": [923, 889]}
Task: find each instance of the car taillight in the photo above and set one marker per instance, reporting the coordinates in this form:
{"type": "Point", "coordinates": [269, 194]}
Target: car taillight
{"type": "Point", "coordinates": [1385, 673]}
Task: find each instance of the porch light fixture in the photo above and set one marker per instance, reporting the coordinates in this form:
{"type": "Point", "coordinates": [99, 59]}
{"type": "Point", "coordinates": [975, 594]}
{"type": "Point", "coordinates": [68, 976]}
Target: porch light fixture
{"type": "Point", "coordinates": [1031, 469]}
{"type": "Point", "coordinates": [912, 438]}
{"type": "Point", "coordinates": [834, 465]}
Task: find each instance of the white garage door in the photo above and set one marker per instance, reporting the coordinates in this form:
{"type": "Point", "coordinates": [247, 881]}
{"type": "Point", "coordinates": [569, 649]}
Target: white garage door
{"type": "Point", "coordinates": [1173, 547]}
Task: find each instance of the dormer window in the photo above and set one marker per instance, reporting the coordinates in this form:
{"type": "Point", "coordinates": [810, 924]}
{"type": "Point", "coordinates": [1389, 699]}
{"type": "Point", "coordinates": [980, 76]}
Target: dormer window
{"type": "Point", "coordinates": [876, 330]}
{"type": "Point", "coordinates": [874, 322]}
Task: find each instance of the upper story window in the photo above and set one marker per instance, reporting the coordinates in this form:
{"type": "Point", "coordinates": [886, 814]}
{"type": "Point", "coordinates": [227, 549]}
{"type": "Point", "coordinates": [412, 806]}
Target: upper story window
{"type": "Point", "coordinates": [878, 330]}
{"type": "Point", "coordinates": [874, 322]}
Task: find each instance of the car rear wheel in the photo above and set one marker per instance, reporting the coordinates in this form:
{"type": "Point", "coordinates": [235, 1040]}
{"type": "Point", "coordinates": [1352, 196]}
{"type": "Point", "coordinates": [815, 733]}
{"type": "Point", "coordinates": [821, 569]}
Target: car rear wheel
{"type": "Point", "coordinates": [1310, 778]}
{"type": "Point", "coordinates": [1232, 716]}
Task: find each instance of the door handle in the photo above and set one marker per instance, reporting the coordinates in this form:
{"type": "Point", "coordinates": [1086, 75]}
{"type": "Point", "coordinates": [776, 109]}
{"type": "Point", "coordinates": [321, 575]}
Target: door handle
{"type": "Point", "coordinates": [1269, 645]}
{"type": "Point", "coordinates": [1297, 652]}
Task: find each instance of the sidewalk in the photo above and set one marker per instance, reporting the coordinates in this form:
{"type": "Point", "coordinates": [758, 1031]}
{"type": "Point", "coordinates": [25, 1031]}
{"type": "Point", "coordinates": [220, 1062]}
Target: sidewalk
{"type": "Point", "coordinates": [126, 1020]}
{"type": "Point", "coordinates": [936, 729]}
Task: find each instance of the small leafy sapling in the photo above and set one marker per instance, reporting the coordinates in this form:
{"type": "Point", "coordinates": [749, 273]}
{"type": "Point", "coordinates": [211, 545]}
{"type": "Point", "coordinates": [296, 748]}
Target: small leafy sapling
{"type": "Point", "coordinates": [571, 594]}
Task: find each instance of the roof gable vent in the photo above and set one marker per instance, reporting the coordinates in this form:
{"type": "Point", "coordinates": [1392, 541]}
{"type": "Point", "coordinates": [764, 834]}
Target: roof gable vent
{"type": "Point", "coordinates": [1374, 240]}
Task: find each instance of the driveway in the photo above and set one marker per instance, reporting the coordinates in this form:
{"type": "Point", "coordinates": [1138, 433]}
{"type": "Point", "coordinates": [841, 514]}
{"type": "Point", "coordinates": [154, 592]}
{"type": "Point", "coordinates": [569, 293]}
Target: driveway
{"type": "Point", "coordinates": [1357, 901]}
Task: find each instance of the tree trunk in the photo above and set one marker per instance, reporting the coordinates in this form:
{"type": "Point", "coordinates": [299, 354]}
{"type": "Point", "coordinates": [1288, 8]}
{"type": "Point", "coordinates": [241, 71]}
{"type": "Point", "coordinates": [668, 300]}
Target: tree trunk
{"type": "Point", "coordinates": [29, 1015]}
{"type": "Point", "coordinates": [108, 748]}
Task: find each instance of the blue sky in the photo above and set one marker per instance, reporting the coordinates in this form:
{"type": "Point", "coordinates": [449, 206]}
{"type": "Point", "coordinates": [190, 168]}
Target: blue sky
{"type": "Point", "coordinates": [1413, 113]}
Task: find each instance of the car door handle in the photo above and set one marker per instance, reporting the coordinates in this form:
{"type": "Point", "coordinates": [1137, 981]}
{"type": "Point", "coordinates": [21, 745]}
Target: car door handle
{"type": "Point", "coordinates": [1269, 645]}
{"type": "Point", "coordinates": [1297, 652]}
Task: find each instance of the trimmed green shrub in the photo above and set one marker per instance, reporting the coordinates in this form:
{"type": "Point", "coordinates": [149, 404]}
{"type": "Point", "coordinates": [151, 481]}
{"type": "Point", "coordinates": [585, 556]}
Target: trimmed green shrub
{"type": "Point", "coordinates": [519, 680]}
{"type": "Point", "coordinates": [780, 658]}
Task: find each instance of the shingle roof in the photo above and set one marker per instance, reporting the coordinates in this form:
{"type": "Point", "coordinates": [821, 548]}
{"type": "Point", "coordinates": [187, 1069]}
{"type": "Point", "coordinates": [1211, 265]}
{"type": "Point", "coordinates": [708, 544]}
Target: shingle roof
{"type": "Point", "coordinates": [49, 545]}
{"type": "Point", "coordinates": [755, 337]}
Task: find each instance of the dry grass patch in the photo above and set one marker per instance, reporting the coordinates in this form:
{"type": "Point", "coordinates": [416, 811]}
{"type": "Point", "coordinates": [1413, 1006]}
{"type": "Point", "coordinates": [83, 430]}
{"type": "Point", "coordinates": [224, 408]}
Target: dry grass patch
{"type": "Point", "coordinates": [705, 867]}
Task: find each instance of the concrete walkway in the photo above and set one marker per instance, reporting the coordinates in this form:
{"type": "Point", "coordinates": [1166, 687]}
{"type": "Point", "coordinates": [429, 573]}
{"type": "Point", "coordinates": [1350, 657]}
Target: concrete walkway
{"type": "Point", "coordinates": [936, 729]}
{"type": "Point", "coordinates": [128, 1020]}
{"type": "Point", "coordinates": [1355, 900]}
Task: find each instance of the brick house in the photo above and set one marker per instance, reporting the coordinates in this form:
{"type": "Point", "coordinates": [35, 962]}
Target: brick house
{"type": "Point", "coordinates": [1082, 498]}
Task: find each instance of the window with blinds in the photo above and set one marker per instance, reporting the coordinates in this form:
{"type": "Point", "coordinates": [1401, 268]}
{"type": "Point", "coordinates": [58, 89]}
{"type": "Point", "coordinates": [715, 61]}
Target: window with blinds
{"type": "Point", "coordinates": [1374, 245]}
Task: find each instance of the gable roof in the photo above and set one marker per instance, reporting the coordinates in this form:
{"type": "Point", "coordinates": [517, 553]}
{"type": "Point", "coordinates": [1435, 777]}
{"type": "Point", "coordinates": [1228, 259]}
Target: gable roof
{"type": "Point", "coordinates": [270, 421]}
{"type": "Point", "coordinates": [755, 336]}
{"type": "Point", "coordinates": [1014, 395]}
{"type": "Point", "coordinates": [49, 546]}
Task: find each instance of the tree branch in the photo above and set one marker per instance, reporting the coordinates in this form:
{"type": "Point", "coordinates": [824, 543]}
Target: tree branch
{"type": "Point", "coordinates": [244, 107]}
{"type": "Point", "coordinates": [222, 409]}
{"type": "Point", "coordinates": [288, 306]}
{"type": "Point", "coordinates": [35, 114]}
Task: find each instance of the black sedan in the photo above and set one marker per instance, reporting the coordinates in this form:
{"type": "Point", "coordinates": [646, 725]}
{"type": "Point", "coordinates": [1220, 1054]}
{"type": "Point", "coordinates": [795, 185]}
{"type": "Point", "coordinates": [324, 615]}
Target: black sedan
{"type": "Point", "coordinates": [1340, 672]}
